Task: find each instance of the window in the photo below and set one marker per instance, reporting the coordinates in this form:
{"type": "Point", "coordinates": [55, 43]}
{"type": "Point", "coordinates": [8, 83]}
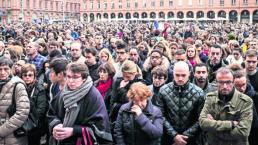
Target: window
{"type": "Point", "coordinates": [180, 2]}
{"type": "Point", "coordinates": [112, 4]}
{"type": "Point", "coordinates": [91, 5]}
{"type": "Point", "coordinates": [200, 2]}
{"type": "Point", "coordinates": [27, 4]}
{"type": "Point", "coordinates": [120, 4]}
{"type": "Point", "coordinates": [66, 7]}
{"type": "Point", "coordinates": [257, 2]}
{"type": "Point", "coordinates": [161, 3]}
{"type": "Point", "coordinates": [9, 3]}
{"type": "Point", "coordinates": [245, 2]}
{"type": "Point", "coordinates": [233, 2]}
{"type": "Point", "coordinates": [153, 3]}
{"type": "Point", "coordinates": [46, 5]}
{"type": "Point", "coordinates": [190, 2]}
{"type": "Point", "coordinates": [221, 2]}
{"type": "Point", "coordinates": [135, 4]}
{"type": "Point", "coordinates": [210, 2]}
{"type": "Point", "coordinates": [40, 4]}
{"type": "Point", "coordinates": [127, 3]}
{"type": "Point", "coordinates": [170, 3]}
{"type": "Point", "coordinates": [57, 6]}
{"type": "Point", "coordinates": [71, 7]}
{"type": "Point", "coordinates": [144, 4]}
{"type": "Point", "coordinates": [34, 4]}
{"type": "Point", "coordinates": [51, 5]}
{"type": "Point", "coordinates": [105, 4]}
{"type": "Point", "coordinates": [99, 4]}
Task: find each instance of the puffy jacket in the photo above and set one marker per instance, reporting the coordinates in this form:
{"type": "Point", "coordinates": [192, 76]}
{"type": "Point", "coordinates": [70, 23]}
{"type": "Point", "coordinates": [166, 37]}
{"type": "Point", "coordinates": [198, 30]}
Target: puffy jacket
{"type": "Point", "coordinates": [181, 106]}
{"type": "Point", "coordinates": [9, 124]}
{"type": "Point", "coordinates": [145, 129]}
{"type": "Point", "coordinates": [220, 130]}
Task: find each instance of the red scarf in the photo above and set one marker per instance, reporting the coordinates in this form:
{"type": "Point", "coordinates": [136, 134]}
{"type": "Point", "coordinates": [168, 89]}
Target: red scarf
{"type": "Point", "coordinates": [104, 86]}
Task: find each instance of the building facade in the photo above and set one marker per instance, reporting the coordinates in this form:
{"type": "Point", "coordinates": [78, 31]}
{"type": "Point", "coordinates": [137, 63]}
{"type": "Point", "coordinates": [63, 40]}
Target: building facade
{"type": "Point", "coordinates": [38, 10]}
{"type": "Point", "coordinates": [233, 10]}
{"type": "Point", "coordinates": [108, 10]}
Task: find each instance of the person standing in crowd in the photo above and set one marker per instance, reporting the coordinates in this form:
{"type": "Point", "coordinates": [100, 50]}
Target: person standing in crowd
{"type": "Point", "coordinates": [79, 109]}
{"type": "Point", "coordinates": [10, 86]}
{"type": "Point", "coordinates": [34, 57]}
{"type": "Point", "coordinates": [139, 122]}
{"type": "Point", "coordinates": [159, 78]}
{"type": "Point", "coordinates": [135, 57]}
{"type": "Point", "coordinates": [91, 62]}
{"type": "Point", "coordinates": [227, 114]}
{"type": "Point", "coordinates": [251, 61]}
{"type": "Point", "coordinates": [215, 61]}
{"type": "Point", "coordinates": [105, 56]}
{"type": "Point", "coordinates": [242, 85]}
{"type": "Point", "coordinates": [38, 99]}
{"type": "Point", "coordinates": [201, 78]}
{"type": "Point", "coordinates": [76, 52]}
{"type": "Point", "coordinates": [106, 72]}
{"type": "Point", "coordinates": [180, 102]}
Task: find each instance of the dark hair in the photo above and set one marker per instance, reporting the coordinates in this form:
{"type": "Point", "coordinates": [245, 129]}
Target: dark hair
{"type": "Point", "coordinates": [6, 61]}
{"type": "Point", "coordinates": [217, 46]}
{"type": "Point", "coordinates": [180, 52]}
{"type": "Point", "coordinates": [58, 65]}
{"type": "Point", "coordinates": [81, 68]}
{"type": "Point", "coordinates": [158, 51]}
{"type": "Point", "coordinates": [93, 51]}
{"type": "Point", "coordinates": [159, 71]}
{"type": "Point", "coordinates": [121, 45]}
{"type": "Point", "coordinates": [107, 67]}
{"type": "Point", "coordinates": [201, 65]}
{"type": "Point", "coordinates": [55, 53]}
{"type": "Point", "coordinates": [29, 67]}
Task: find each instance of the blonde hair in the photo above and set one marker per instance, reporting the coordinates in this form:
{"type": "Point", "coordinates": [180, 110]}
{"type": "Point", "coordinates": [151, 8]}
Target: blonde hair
{"type": "Point", "coordinates": [139, 90]}
{"type": "Point", "coordinates": [107, 52]}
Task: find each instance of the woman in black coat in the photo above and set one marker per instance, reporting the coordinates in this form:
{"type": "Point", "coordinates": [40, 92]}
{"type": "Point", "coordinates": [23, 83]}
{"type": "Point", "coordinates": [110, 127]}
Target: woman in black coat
{"type": "Point", "coordinates": [139, 122]}
{"type": "Point", "coordinates": [38, 102]}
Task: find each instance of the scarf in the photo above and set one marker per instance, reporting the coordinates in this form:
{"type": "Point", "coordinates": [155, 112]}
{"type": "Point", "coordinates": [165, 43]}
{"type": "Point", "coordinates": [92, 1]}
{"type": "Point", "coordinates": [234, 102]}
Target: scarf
{"type": "Point", "coordinates": [71, 98]}
{"type": "Point", "coordinates": [104, 86]}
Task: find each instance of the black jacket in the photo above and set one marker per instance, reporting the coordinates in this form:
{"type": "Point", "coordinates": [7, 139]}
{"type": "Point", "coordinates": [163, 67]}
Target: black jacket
{"type": "Point", "coordinates": [93, 69]}
{"type": "Point", "coordinates": [181, 107]}
{"type": "Point", "coordinates": [145, 129]}
{"type": "Point", "coordinates": [92, 114]}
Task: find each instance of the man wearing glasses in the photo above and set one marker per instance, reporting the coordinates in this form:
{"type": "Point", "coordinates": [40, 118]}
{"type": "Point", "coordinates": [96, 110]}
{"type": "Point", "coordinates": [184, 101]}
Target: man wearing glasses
{"type": "Point", "coordinates": [227, 113]}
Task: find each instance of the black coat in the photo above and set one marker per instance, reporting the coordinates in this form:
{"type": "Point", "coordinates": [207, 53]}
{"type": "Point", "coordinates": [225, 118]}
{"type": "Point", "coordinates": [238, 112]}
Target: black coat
{"type": "Point", "coordinates": [93, 69]}
{"type": "Point", "coordinates": [92, 114]}
{"type": "Point", "coordinates": [145, 129]}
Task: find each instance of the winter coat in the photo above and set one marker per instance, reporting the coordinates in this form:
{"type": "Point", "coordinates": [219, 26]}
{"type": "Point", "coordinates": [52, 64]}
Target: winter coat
{"type": "Point", "coordinates": [220, 131]}
{"type": "Point", "coordinates": [213, 69]}
{"type": "Point", "coordinates": [92, 115]}
{"type": "Point", "coordinates": [9, 124]}
{"type": "Point", "coordinates": [181, 106]}
{"type": "Point", "coordinates": [93, 69]}
{"type": "Point", "coordinates": [145, 129]}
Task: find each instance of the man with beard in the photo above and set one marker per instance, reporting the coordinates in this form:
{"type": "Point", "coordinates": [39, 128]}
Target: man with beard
{"type": "Point", "coordinates": [201, 78]}
{"type": "Point", "coordinates": [227, 113]}
{"type": "Point", "coordinates": [76, 53]}
{"type": "Point", "coordinates": [251, 61]}
{"type": "Point", "coordinates": [215, 61]}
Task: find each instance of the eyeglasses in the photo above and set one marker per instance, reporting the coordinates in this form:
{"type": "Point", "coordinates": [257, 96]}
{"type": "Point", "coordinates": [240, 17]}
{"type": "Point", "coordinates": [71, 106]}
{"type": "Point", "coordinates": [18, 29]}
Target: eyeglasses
{"type": "Point", "coordinates": [27, 75]}
{"type": "Point", "coordinates": [224, 82]}
{"type": "Point", "coordinates": [73, 77]}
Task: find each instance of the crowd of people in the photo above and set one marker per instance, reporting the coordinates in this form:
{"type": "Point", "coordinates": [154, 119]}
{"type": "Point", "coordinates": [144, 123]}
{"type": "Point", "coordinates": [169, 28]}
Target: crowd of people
{"type": "Point", "coordinates": [129, 83]}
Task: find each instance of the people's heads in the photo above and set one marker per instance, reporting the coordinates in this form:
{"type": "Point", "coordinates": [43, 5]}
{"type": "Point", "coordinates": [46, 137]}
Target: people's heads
{"type": "Point", "coordinates": [57, 69]}
{"type": "Point", "coordinates": [253, 44]}
{"type": "Point", "coordinates": [28, 73]}
{"type": "Point", "coordinates": [17, 67]}
{"type": "Point", "coordinates": [224, 79]}
{"type": "Point", "coordinates": [129, 70]}
{"type": "Point", "coordinates": [98, 39]}
{"type": "Point", "coordinates": [181, 73]}
{"type": "Point", "coordinates": [52, 45]}
{"type": "Point", "coordinates": [121, 51]}
{"type": "Point", "coordinates": [105, 56]}
{"type": "Point", "coordinates": [173, 48]}
{"type": "Point", "coordinates": [113, 42]}
{"type": "Point", "coordinates": [5, 68]}
{"type": "Point", "coordinates": [76, 50]}
{"type": "Point", "coordinates": [215, 54]}
{"type": "Point", "coordinates": [159, 76]}
{"type": "Point", "coordinates": [201, 73]}
{"type": "Point", "coordinates": [237, 53]}
{"type": "Point", "coordinates": [90, 56]}
{"type": "Point", "coordinates": [251, 58]}
{"type": "Point", "coordinates": [134, 54]}
{"type": "Point", "coordinates": [240, 77]}
{"type": "Point", "coordinates": [106, 70]}
{"type": "Point", "coordinates": [155, 57]}
{"type": "Point", "coordinates": [2, 46]}
{"type": "Point", "coordinates": [76, 74]}
{"type": "Point", "coordinates": [180, 55]}
{"type": "Point", "coordinates": [191, 53]}
{"type": "Point", "coordinates": [32, 48]}
{"type": "Point", "coordinates": [139, 94]}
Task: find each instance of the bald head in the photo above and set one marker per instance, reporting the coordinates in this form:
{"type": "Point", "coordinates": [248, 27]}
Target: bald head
{"type": "Point", "coordinates": [181, 73]}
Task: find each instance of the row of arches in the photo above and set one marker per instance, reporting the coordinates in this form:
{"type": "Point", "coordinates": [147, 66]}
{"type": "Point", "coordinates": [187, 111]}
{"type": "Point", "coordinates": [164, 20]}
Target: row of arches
{"type": "Point", "coordinates": [232, 15]}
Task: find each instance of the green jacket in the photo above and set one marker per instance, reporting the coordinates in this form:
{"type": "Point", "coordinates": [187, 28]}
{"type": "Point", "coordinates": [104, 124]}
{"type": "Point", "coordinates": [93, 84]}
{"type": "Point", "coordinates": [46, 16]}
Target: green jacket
{"type": "Point", "coordinates": [220, 131]}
